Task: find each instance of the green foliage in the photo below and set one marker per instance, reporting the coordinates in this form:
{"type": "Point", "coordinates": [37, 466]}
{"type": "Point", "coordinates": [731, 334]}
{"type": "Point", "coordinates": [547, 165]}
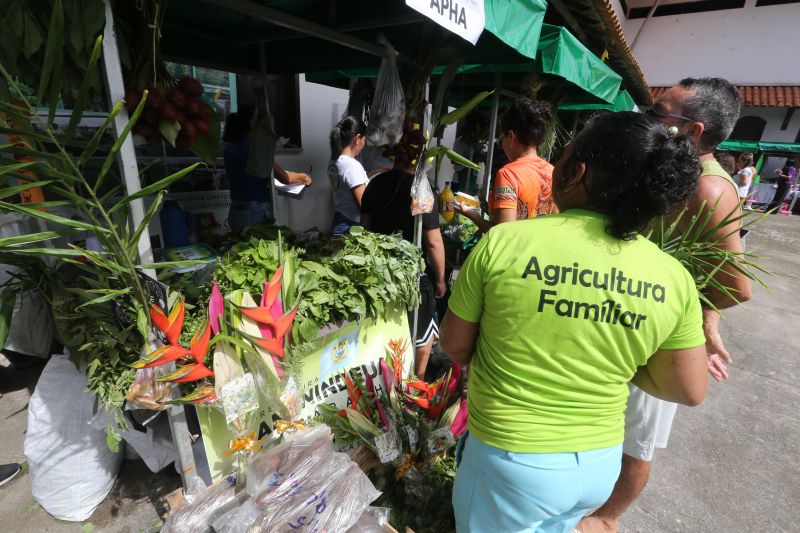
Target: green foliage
{"type": "Point", "coordinates": [697, 244]}
{"type": "Point", "coordinates": [353, 278]}
{"type": "Point", "coordinates": [98, 302]}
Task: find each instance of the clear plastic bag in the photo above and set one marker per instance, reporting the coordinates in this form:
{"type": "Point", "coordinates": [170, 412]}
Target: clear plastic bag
{"type": "Point", "coordinates": [148, 393]}
{"type": "Point", "coordinates": [294, 458]}
{"type": "Point", "coordinates": [372, 520]}
{"type": "Point", "coordinates": [331, 499]}
{"type": "Point", "coordinates": [422, 198]}
{"type": "Point", "coordinates": [195, 515]}
{"type": "Point", "coordinates": [388, 111]}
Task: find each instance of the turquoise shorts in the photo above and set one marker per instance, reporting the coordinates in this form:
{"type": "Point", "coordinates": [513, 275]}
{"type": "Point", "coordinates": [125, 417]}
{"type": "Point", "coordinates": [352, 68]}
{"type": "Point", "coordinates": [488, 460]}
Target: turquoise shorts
{"type": "Point", "coordinates": [498, 491]}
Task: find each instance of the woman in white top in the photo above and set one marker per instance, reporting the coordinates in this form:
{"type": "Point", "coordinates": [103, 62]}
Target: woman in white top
{"type": "Point", "coordinates": [744, 177]}
{"type": "Point", "coordinates": [347, 176]}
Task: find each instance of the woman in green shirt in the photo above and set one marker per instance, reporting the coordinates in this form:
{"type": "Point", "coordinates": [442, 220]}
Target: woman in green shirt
{"type": "Point", "coordinates": [555, 315]}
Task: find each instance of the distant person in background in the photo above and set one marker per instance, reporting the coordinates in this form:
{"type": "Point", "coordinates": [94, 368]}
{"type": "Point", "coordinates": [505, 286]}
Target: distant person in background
{"type": "Point", "coordinates": [348, 177]}
{"type": "Point", "coordinates": [251, 202]}
{"type": "Point", "coordinates": [522, 188]}
{"type": "Point", "coordinates": [744, 174]}
{"type": "Point", "coordinates": [727, 162]}
{"type": "Point", "coordinates": [786, 177]}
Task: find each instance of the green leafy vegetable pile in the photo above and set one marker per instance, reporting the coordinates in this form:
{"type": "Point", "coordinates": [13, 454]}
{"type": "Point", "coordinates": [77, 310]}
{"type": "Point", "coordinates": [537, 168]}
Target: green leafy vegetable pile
{"type": "Point", "coordinates": [353, 278]}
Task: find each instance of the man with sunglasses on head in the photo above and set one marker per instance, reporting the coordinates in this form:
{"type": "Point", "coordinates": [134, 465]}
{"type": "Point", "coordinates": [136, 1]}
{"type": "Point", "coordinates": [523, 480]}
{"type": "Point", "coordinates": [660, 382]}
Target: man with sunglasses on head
{"type": "Point", "coordinates": [705, 109]}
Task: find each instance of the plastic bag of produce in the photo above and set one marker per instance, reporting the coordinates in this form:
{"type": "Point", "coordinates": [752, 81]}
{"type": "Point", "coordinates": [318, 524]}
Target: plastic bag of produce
{"type": "Point", "coordinates": [71, 468]}
{"type": "Point", "coordinates": [147, 392]}
{"type": "Point", "coordinates": [332, 498]}
{"type": "Point", "coordinates": [422, 198]}
{"type": "Point", "coordinates": [388, 111]}
{"type": "Point", "coordinates": [298, 455]}
{"type": "Point", "coordinates": [301, 485]}
{"type": "Point", "coordinates": [195, 515]}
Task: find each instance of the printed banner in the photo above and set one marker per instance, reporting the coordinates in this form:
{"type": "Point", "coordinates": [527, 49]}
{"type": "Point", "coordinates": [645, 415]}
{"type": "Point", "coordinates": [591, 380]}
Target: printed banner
{"type": "Point", "coordinates": [353, 346]}
{"type": "Point", "coordinates": [465, 18]}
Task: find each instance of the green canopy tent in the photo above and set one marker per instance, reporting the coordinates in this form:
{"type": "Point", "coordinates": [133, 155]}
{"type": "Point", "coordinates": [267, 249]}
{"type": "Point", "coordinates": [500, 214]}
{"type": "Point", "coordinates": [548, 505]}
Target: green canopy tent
{"type": "Point", "coordinates": [759, 146]}
{"type": "Point", "coordinates": [560, 54]}
{"type": "Point", "coordinates": [316, 35]}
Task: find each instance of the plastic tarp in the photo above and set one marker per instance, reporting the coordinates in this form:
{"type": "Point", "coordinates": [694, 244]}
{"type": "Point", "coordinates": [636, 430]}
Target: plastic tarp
{"type": "Point", "coordinates": [758, 146]}
{"type": "Point", "coordinates": [208, 34]}
{"type": "Point", "coordinates": [622, 102]}
{"type": "Point", "coordinates": [562, 54]}
{"type": "Point", "coordinates": [559, 54]}
{"type": "Point", "coordinates": [518, 24]}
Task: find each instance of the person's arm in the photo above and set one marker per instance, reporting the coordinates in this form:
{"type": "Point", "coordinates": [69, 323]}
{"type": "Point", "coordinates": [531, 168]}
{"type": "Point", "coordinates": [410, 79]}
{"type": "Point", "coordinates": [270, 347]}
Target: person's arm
{"type": "Point", "coordinates": [458, 338]}
{"type": "Point", "coordinates": [358, 193]}
{"type": "Point", "coordinates": [739, 286]}
{"type": "Point", "coordinates": [435, 246]}
{"type": "Point", "coordinates": [675, 376]}
{"type": "Point", "coordinates": [288, 177]}
{"type": "Point", "coordinates": [498, 216]}
{"type": "Point", "coordinates": [718, 191]}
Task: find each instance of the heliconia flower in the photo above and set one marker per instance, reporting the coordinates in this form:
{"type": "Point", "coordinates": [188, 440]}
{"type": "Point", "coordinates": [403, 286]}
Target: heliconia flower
{"type": "Point", "coordinates": [200, 340]}
{"type": "Point", "coordinates": [455, 377]}
{"type": "Point", "coordinates": [388, 376]}
{"type": "Point", "coordinates": [459, 425]}
{"type": "Point", "coordinates": [170, 325]}
{"type": "Point", "coordinates": [216, 308]}
{"type": "Point", "coordinates": [382, 414]}
{"type": "Point", "coordinates": [370, 384]}
{"type": "Point", "coordinates": [163, 355]}
{"type": "Point", "coordinates": [200, 395]}
{"type": "Point", "coordinates": [184, 374]}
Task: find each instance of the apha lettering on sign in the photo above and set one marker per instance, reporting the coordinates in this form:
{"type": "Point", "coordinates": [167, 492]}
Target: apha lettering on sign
{"type": "Point", "coordinates": [465, 18]}
{"type": "Point", "coordinates": [454, 12]}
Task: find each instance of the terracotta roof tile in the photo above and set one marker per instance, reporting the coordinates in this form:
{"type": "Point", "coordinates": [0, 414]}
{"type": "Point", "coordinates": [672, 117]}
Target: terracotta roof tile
{"type": "Point", "coordinates": [759, 95]}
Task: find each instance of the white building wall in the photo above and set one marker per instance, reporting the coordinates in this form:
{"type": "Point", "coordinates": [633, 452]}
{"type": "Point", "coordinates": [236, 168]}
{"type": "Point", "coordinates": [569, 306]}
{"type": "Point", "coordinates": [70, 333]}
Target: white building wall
{"type": "Point", "coordinates": [775, 117]}
{"type": "Point", "coordinates": [321, 107]}
{"type": "Point", "coordinates": [748, 46]}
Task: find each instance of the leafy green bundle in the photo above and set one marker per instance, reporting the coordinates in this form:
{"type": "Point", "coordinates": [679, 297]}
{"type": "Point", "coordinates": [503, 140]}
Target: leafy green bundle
{"type": "Point", "coordinates": [353, 278]}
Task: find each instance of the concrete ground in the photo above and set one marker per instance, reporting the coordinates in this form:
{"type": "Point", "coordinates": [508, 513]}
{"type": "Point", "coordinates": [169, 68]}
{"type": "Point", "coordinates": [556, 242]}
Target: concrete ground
{"type": "Point", "coordinates": [135, 504]}
{"type": "Point", "coordinates": [732, 464]}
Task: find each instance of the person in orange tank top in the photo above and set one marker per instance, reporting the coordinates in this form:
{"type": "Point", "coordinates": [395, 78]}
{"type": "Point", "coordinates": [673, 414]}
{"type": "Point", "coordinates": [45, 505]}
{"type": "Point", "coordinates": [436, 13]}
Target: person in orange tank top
{"type": "Point", "coordinates": [522, 188]}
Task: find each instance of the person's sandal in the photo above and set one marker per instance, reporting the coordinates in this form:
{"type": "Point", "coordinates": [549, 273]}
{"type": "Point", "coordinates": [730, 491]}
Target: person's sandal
{"type": "Point", "coordinates": [9, 472]}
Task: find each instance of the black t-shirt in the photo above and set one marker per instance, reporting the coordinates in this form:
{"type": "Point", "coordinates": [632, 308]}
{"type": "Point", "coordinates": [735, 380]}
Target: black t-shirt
{"type": "Point", "coordinates": [387, 201]}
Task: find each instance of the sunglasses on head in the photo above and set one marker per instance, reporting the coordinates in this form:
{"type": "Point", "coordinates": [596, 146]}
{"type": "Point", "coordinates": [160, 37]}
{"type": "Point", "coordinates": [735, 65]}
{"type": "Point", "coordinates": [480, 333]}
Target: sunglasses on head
{"type": "Point", "coordinates": [657, 114]}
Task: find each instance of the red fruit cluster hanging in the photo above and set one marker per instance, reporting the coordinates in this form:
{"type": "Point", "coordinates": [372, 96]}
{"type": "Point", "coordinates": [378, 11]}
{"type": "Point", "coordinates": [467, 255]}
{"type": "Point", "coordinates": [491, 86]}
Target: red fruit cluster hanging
{"type": "Point", "coordinates": [181, 104]}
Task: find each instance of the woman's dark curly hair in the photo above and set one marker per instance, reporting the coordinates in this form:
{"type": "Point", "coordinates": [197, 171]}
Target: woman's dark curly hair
{"type": "Point", "coordinates": [528, 119]}
{"type": "Point", "coordinates": [637, 171]}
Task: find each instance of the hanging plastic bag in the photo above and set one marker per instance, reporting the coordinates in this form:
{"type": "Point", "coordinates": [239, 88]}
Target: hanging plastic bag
{"type": "Point", "coordinates": [388, 111]}
{"type": "Point", "coordinates": [422, 198]}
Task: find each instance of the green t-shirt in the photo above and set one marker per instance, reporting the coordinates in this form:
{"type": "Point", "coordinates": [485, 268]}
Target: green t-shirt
{"type": "Point", "coordinates": [567, 313]}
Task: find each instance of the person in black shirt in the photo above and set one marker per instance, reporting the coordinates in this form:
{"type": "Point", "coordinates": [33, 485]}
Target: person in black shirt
{"type": "Point", "coordinates": [386, 208]}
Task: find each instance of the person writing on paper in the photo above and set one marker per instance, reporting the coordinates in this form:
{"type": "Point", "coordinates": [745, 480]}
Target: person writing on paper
{"type": "Point", "coordinates": [251, 202]}
{"type": "Point", "coordinates": [348, 178]}
{"type": "Point", "coordinates": [522, 188]}
{"type": "Point", "coordinates": [555, 315]}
